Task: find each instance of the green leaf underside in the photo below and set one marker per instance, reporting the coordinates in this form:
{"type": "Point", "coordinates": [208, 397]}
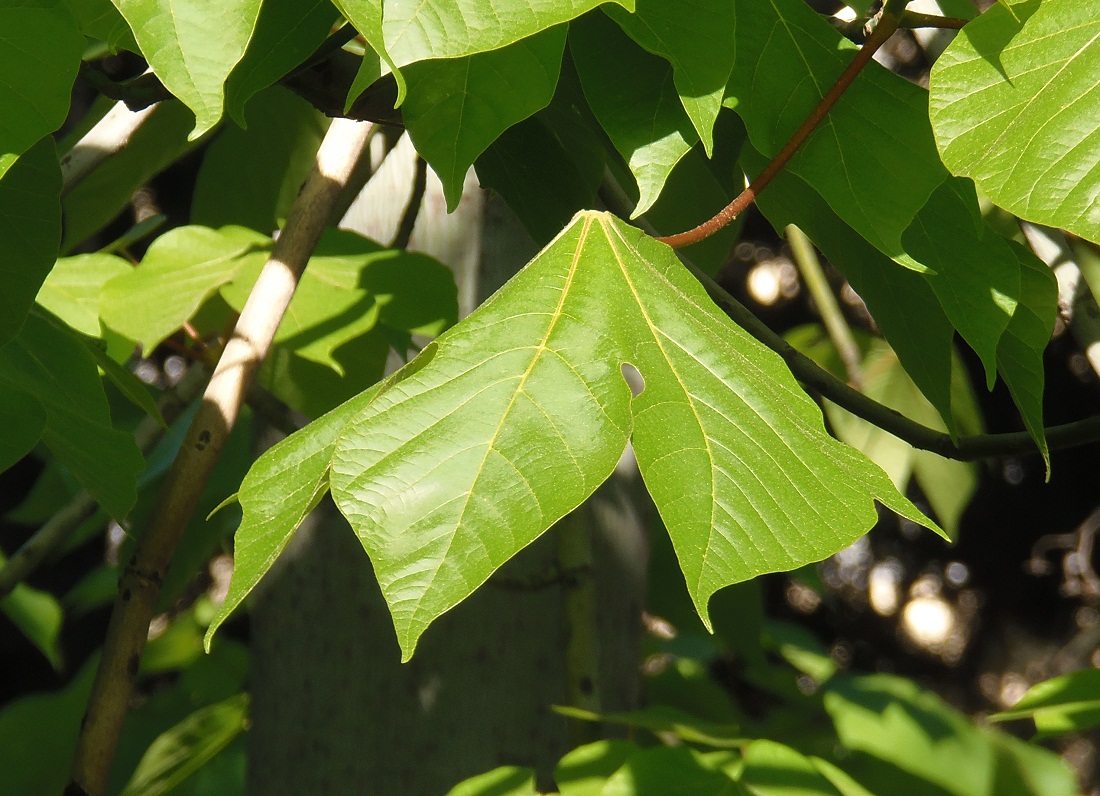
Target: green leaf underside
{"type": "Point", "coordinates": [180, 270]}
{"type": "Point", "coordinates": [519, 415]}
{"type": "Point", "coordinates": [633, 95]}
{"type": "Point", "coordinates": [47, 362]}
{"type": "Point", "coordinates": [277, 494]}
{"type": "Point", "coordinates": [366, 16]}
{"type": "Point", "coordinates": [456, 108]}
{"type": "Point", "coordinates": [1014, 104]}
{"type": "Point", "coordinates": [875, 142]}
{"type": "Point", "coordinates": [30, 230]}
{"type": "Point", "coordinates": [416, 30]}
{"type": "Point", "coordinates": [700, 46]}
{"type": "Point", "coordinates": [192, 47]}
{"type": "Point", "coordinates": [40, 49]}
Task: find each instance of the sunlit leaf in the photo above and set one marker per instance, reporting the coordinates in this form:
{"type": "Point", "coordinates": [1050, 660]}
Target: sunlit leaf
{"type": "Point", "coordinates": [180, 270]}
{"type": "Point", "coordinates": [583, 771]}
{"type": "Point", "coordinates": [38, 616]}
{"type": "Point", "coordinates": [518, 415]}
{"type": "Point", "coordinates": [71, 291]}
{"type": "Point", "coordinates": [192, 47]}
{"type": "Point", "coordinates": [699, 45]}
{"type": "Point", "coordinates": [1069, 703]}
{"type": "Point", "coordinates": [1014, 104]}
{"type": "Point", "coordinates": [503, 781]}
{"type": "Point", "coordinates": [634, 97]}
{"type": "Point", "coordinates": [772, 769]}
{"type": "Point", "coordinates": [669, 770]}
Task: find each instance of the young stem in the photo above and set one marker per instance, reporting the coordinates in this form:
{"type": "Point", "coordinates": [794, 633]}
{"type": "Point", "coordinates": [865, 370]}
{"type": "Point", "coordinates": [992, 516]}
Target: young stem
{"type": "Point", "coordinates": [142, 576]}
{"type": "Point", "coordinates": [827, 307]}
{"type": "Point", "coordinates": [883, 31]}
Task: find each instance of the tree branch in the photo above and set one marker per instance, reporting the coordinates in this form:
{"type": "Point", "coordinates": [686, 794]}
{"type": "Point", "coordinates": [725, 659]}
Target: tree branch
{"type": "Point", "coordinates": [888, 23]}
{"type": "Point", "coordinates": [142, 576]}
{"type": "Point", "coordinates": [969, 448]}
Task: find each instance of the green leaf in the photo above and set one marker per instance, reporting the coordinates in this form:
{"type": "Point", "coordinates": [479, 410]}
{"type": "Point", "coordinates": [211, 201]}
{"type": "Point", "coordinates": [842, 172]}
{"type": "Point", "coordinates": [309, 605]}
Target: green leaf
{"type": "Point", "coordinates": [902, 303]}
{"type": "Point", "coordinates": [583, 771]}
{"type": "Point", "coordinates": [180, 270]}
{"type": "Point", "coordinates": [366, 16]}
{"type": "Point", "coordinates": [700, 46]}
{"type": "Point", "coordinates": [38, 735]}
{"type": "Point", "coordinates": [98, 198]}
{"type": "Point", "coordinates": [287, 32]}
{"type": "Point", "coordinates": [416, 30]}
{"type": "Point", "coordinates": [252, 177]}
{"type": "Point", "coordinates": [875, 142]}
{"type": "Point", "coordinates": [664, 720]}
{"type": "Point", "coordinates": [23, 420]}
{"type": "Point", "coordinates": [192, 47]}
{"type": "Point", "coordinates": [519, 415]}
{"type": "Point", "coordinates": [772, 769]}
{"type": "Point", "coordinates": [71, 291]}
{"type": "Point", "coordinates": [38, 616]}
{"type": "Point", "coordinates": [282, 487]}
{"type": "Point", "coordinates": [1014, 106]}
{"type": "Point", "coordinates": [351, 285]}
{"type": "Point", "coordinates": [669, 771]}
{"type": "Point", "coordinates": [455, 108]}
{"type": "Point", "coordinates": [99, 19]}
{"type": "Point", "coordinates": [895, 721]}
{"type": "Point", "coordinates": [1070, 703]}
{"type": "Point", "coordinates": [633, 95]}
{"type": "Point", "coordinates": [30, 229]}
{"type": "Point", "coordinates": [1026, 769]}
{"type": "Point", "coordinates": [503, 781]}
{"type": "Point", "coordinates": [52, 365]}
{"type": "Point", "coordinates": [131, 387]}
{"type": "Point", "coordinates": [40, 49]}
{"type": "Point", "coordinates": [977, 276]}
{"type": "Point", "coordinates": [181, 751]}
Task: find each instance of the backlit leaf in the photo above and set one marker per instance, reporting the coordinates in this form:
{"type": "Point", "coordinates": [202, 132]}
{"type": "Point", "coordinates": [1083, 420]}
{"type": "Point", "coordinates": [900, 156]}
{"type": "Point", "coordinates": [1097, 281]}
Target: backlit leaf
{"type": "Point", "coordinates": [1069, 703]}
{"type": "Point", "coordinates": [71, 291]}
{"type": "Point", "coordinates": [192, 47]}
{"type": "Point", "coordinates": [518, 414]}
{"type": "Point", "coordinates": [1014, 103]}
{"type": "Point", "coordinates": [181, 269]}
{"type": "Point", "coordinates": [699, 45]}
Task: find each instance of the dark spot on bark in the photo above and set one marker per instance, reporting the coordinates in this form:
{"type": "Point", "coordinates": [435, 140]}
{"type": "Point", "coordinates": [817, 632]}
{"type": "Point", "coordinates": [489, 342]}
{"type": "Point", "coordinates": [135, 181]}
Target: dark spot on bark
{"type": "Point", "coordinates": [125, 595]}
{"type": "Point", "coordinates": [73, 789]}
{"type": "Point", "coordinates": [204, 439]}
{"type": "Point", "coordinates": [586, 686]}
{"type": "Point", "coordinates": [132, 666]}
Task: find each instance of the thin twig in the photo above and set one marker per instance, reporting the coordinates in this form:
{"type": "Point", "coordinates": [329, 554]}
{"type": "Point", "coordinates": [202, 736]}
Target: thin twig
{"type": "Point", "coordinates": [64, 522]}
{"type": "Point", "coordinates": [827, 307]}
{"type": "Point", "coordinates": [143, 574]}
{"type": "Point", "coordinates": [883, 31]}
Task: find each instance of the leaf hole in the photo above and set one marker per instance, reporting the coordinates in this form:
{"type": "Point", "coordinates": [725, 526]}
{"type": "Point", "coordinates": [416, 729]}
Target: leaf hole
{"type": "Point", "coordinates": [633, 379]}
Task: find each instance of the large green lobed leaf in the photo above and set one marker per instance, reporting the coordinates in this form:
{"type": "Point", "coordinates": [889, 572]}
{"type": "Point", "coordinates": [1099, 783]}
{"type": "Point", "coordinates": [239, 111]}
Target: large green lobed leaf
{"type": "Point", "coordinates": [192, 47]}
{"type": "Point", "coordinates": [516, 415]}
{"type": "Point", "coordinates": [1014, 103]}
